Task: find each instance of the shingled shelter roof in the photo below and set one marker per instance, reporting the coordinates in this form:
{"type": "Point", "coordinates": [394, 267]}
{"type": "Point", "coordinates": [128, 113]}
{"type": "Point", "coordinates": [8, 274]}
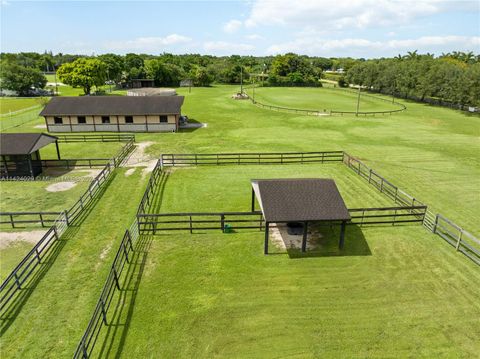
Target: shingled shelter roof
{"type": "Point", "coordinates": [305, 199]}
{"type": "Point", "coordinates": [113, 105]}
{"type": "Point", "coordinates": [23, 143]}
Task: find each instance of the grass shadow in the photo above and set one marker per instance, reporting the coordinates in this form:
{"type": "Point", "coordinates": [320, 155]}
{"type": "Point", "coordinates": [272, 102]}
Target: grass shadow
{"type": "Point", "coordinates": [158, 191]}
{"type": "Point", "coordinates": [323, 241]}
{"type": "Point", "coordinates": [20, 299]}
{"type": "Point", "coordinates": [119, 319]}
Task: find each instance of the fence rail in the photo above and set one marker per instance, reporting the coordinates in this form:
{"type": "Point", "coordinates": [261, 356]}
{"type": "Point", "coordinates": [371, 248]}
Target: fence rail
{"type": "Point", "coordinates": [191, 221]}
{"type": "Point", "coordinates": [250, 158]}
{"type": "Point", "coordinates": [90, 194]}
{"type": "Point", "coordinates": [99, 318]}
{"type": "Point", "coordinates": [30, 262]}
{"type": "Point", "coordinates": [120, 137]}
{"type": "Point", "coordinates": [382, 184]}
{"type": "Point", "coordinates": [150, 189]}
{"type": "Point", "coordinates": [26, 267]}
{"type": "Point", "coordinates": [458, 237]}
{"type": "Point", "coordinates": [387, 215]}
{"type": "Point", "coordinates": [329, 112]}
{"type": "Point", "coordinates": [20, 218]}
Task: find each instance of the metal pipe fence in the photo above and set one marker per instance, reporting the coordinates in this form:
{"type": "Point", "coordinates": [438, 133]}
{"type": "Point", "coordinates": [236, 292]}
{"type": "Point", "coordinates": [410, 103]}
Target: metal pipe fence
{"type": "Point", "coordinates": [32, 260]}
{"type": "Point", "coordinates": [113, 284]}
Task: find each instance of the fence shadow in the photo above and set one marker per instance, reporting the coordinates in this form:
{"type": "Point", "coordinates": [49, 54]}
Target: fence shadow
{"type": "Point", "coordinates": [157, 193]}
{"type": "Point", "coordinates": [88, 208]}
{"type": "Point", "coordinates": [323, 241]}
{"type": "Point", "coordinates": [120, 316]}
{"type": "Point", "coordinates": [16, 304]}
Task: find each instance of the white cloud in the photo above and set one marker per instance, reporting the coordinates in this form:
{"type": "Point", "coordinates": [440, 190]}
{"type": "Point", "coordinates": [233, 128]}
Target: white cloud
{"type": "Point", "coordinates": [254, 37]}
{"type": "Point", "coordinates": [368, 48]}
{"type": "Point", "coordinates": [148, 43]}
{"type": "Point", "coordinates": [227, 48]}
{"type": "Point", "coordinates": [232, 26]}
{"type": "Point", "coordinates": [323, 14]}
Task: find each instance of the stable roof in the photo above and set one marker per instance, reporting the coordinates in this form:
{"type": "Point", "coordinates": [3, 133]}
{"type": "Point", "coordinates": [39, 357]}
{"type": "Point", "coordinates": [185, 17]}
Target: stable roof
{"type": "Point", "coordinates": [113, 105]}
{"type": "Point", "coordinates": [23, 143]}
{"type": "Point", "coordinates": [303, 199]}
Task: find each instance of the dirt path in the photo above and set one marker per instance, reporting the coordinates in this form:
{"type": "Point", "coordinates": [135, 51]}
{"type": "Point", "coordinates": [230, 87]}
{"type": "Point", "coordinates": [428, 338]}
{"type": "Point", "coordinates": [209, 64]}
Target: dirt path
{"type": "Point", "coordinates": [9, 238]}
{"type": "Point", "coordinates": [138, 158]}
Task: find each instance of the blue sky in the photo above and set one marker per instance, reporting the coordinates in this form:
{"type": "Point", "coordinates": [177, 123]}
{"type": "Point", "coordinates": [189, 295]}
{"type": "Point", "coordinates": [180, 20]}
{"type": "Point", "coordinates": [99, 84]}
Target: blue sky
{"type": "Point", "coordinates": [358, 28]}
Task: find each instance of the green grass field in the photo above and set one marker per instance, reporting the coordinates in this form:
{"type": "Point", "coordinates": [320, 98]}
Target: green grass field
{"type": "Point", "coordinates": [8, 105]}
{"type": "Point", "coordinates": [319, 99]}
{"type": "Point", "coordinates": [393, 292]}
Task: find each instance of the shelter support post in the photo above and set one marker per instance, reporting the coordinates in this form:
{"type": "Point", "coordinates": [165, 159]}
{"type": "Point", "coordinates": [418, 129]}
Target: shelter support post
{"type": "Point", "coordinates": [304, 239]}
{"type": "Point", "coordinates": [342, 234]}
{"type": "Point", "coordinates": [267, 229]}
{"type": "Point", "coordinates": [253, 200]}
{"type": "Point", "coordinates": [58, 150]}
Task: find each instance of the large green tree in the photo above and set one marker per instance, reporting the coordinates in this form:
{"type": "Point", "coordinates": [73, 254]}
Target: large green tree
{"type": "Point", "coordinates": [84, 73]}
{"type": "Point", "coordinates": [21, 79]}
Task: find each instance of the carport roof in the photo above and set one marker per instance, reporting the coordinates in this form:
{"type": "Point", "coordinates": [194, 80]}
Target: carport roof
{"type": "Point", "coordinates": [303, 199]}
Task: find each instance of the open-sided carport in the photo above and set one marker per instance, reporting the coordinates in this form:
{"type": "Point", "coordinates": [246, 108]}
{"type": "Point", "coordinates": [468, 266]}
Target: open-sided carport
{"type": "Point", "coordinates": [302, 200]}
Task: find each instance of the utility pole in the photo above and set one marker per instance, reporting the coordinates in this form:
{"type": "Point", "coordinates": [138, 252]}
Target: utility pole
{"type": "Point", "coordinates": [253, 89]}
{"type": "Point", "coordinates": [241, 79]}
{"type": "Point", "coordinates": [55, 77]}
{"type": "Point", "coordinates": [358, 100]}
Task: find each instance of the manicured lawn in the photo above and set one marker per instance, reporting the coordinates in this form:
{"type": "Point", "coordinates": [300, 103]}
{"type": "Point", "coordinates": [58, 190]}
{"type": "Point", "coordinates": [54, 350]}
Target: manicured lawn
{"type": "Point", "coordinates": [8, 105]}
{"type": "Point", "coordinates": [400, 293]}
{"type": "Point", "coordinates": [319, 99]}
{"type": "Point", "coordinates": [231, 189]}
{"type": "Point", "coordinates": [430, 152]}
{"type": "Point", "coordinates": [24, 196]}
{"type": "Point", "coordinates": [53, 317]}
{"type": "Point", "coordinates": [393, 292]}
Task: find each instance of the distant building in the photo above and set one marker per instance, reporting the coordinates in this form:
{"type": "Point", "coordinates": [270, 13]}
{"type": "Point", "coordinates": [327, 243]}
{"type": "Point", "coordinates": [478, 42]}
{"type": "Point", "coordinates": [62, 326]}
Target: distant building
{"type": "Point", "coordinates": [113, 114]}
{"type": "Point", "coordinates": [138, 83]}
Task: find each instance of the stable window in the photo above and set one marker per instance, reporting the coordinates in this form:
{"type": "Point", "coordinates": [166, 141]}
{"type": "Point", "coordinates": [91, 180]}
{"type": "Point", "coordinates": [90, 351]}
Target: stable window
{"type": "Point", "coordinates": [82, 119]}
{"type": "Point", "coordinates": [128, 119]}
{"type": "Point", "coordinates": [105, 119]}
{"type": "Point", "coordinates": [58, 120]}
{"type": "Point", "coordinates": [163, 118]}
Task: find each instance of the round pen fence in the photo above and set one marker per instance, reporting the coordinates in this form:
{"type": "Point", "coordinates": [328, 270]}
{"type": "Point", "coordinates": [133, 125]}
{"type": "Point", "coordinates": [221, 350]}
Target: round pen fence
{"type": "Point", "coordinates": [330, 112]}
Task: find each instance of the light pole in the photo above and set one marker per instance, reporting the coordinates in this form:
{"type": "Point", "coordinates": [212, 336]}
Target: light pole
{"type": "Point", "coordinates": [55, 77]}
{"type": "Point", "coordinates": [358, 99]}
{"type": "Point", "coordinates": [241, 79]}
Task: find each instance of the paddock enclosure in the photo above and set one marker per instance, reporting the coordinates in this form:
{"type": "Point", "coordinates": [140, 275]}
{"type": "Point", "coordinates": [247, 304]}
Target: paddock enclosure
{"type": "Point", "coordinates": [162, 254]}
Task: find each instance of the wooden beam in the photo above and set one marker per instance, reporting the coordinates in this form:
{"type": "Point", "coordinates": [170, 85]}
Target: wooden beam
{"type": "Point", "coordinates": [342, 234]}
{"type": "Point", "coordinates": [265, 247]}
{"type": "Point", "coordinates": [58, 150]}
{"type": "Point", "coordinates": [304, 239]}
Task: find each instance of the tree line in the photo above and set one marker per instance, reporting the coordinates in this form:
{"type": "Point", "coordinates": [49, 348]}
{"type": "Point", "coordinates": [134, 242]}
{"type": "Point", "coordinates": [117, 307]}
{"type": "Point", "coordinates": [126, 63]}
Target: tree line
{"type": "Point", "coordinates": [451, 77]}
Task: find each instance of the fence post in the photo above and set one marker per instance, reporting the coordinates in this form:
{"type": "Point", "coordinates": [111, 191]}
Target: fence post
{"type": "Point", "coordinates": [435, 224]}
{"type": "Point", "coordinates": [222, 222]}
{"type": "Point", "coordinates": [459, 240]}
{"type": "Point", "coordinates": [125, 252]}
{"type": "Point", "coordinates": [38, 255]}
{"type": "Point", "coordinates": [17, 281]}
{"type": "Point", "coordinates": [370, 176]}
{"type": "Point", "coordinates": [104, 313]}
{"type": "Point", "coordinates": [11, 221]}
{"type": "Point", "coordinates": [381, 185]}
{"type": "Point", "coordinates": [66, 217]}
{"type": "Point", "coordinates": [130, 240]}
{"type": "Point", "coordinates": [84, 350]}
{"type": "Point", "coordinates": [115, 276]}
{"type": "Point", "coordinates": [191, 228]}
{"type": "Point", "coordinates": [41, 219]}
